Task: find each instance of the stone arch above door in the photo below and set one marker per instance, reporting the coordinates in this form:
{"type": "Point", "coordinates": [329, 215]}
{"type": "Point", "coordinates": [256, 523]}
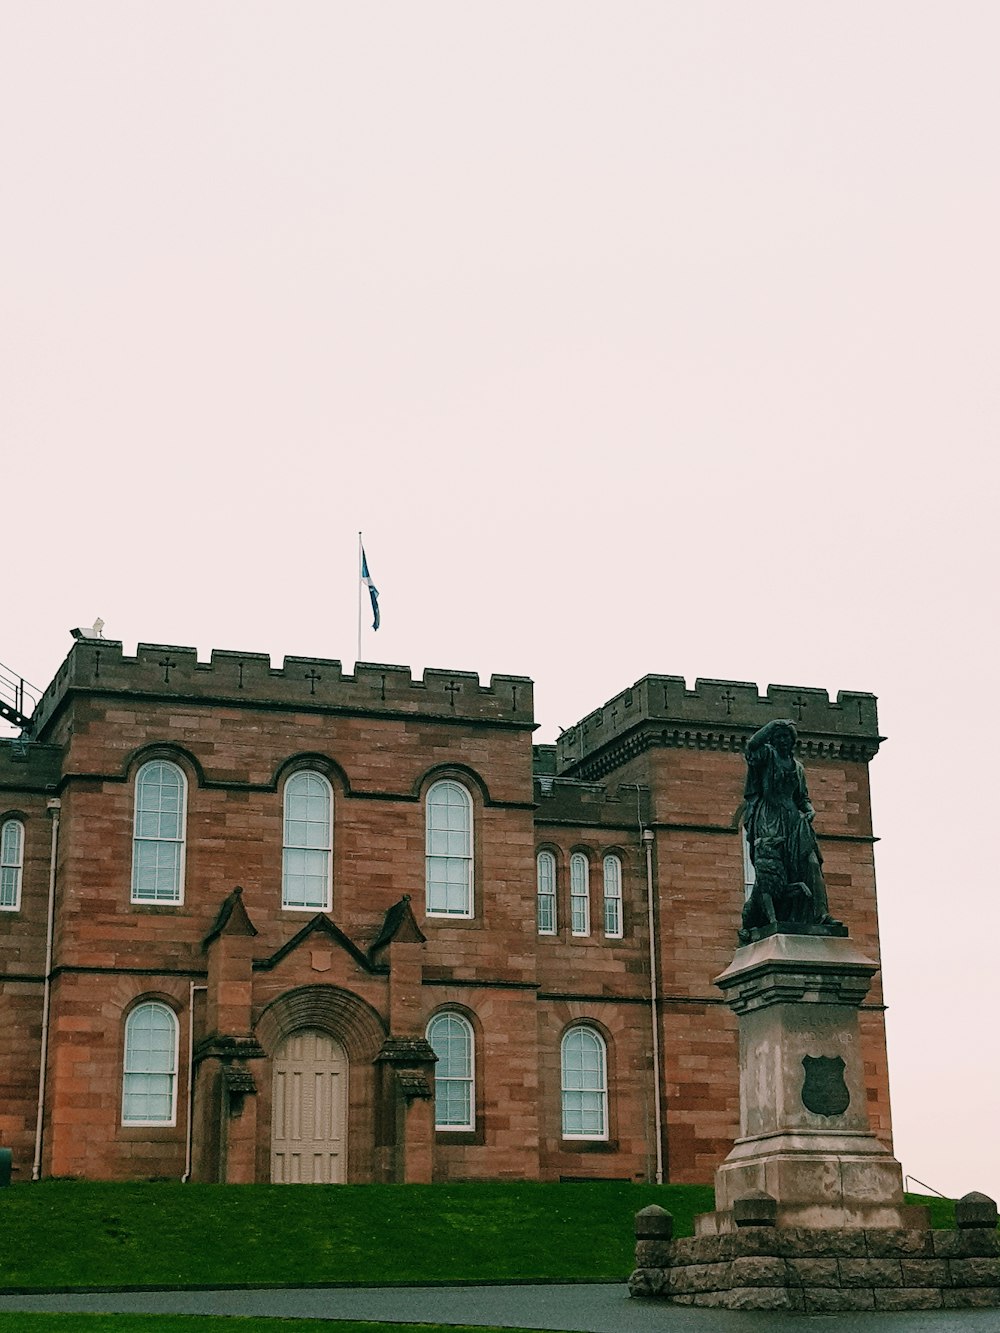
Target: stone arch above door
{"type": "Point", "coordinates": [348, 1018]}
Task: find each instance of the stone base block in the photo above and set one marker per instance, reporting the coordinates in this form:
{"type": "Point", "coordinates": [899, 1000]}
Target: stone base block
{"type": "Point", "coordinates": [826, 1269]}
{"type": "Point", "coordinates": [818, 1180]}
{"type": "Point", "coordinates": [825, 1217]}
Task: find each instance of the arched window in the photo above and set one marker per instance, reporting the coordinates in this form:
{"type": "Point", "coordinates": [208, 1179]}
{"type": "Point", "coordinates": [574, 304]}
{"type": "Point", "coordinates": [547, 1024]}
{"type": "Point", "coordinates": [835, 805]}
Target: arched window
{"type": "Point", "coordinates": [158, 834]}
{"type": "Point", "coordinates": [149, 1086]}
{"type": "Point", "coordinates": [11, 864]}
{"type": "Point", "coordinates": [545, 864]}
{"type": "Point", "coordinates": [584, 1085]}
{"type": "Point", "coordinates": [453, 1042]}
{"type": "Point", "coordinates": [307, 849]}
{"type": "Point", "coordinates": [613, 897]}
{"type": "Point", "coordinates": [579, 894]}
{"type": "Point", "coordinates": [449, 850]}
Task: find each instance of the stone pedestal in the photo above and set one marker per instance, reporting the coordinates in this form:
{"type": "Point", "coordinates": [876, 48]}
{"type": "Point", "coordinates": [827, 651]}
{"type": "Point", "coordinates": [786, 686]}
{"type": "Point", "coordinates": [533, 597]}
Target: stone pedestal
{"type": "Point", "coordinates": [805, 1137]}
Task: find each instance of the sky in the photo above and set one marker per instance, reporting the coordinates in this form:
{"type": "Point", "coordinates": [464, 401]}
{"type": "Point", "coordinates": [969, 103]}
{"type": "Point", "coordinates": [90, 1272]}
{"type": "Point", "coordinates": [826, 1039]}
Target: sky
{"type": "Point", "coordinates": [637, 337]}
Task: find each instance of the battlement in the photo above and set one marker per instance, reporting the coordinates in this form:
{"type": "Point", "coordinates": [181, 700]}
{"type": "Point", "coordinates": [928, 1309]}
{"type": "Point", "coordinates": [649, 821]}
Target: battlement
{"type": "Point", "coordinates": [163, 671]}
{"type": "Point", "coordinates": [716, 714]}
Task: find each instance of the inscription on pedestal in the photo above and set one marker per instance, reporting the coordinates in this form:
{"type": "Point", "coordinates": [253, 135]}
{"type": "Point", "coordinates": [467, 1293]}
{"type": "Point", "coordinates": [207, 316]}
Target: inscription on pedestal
{"type": "Point", "coordinates": [824, 1088]}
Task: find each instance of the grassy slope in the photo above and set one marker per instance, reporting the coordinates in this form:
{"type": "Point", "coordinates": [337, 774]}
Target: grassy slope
{"type": "Point", "coordinates": [93, 1234]}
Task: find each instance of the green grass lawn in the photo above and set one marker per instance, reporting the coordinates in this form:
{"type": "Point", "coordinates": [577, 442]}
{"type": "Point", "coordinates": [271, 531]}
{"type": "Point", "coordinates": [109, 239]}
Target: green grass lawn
{"type": "Point", "coordinates": [99, 1234]}
{"type": "Point", "coordinates": [105, 1323]}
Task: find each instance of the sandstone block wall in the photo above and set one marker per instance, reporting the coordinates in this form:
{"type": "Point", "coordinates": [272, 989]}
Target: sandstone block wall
{"type": "Point", "coordinates": [237, 727]}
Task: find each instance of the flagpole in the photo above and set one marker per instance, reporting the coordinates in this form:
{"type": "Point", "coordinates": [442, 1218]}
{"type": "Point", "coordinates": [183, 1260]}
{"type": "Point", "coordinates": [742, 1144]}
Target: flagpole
{"type": "Point", "coordinates": [360, 587]}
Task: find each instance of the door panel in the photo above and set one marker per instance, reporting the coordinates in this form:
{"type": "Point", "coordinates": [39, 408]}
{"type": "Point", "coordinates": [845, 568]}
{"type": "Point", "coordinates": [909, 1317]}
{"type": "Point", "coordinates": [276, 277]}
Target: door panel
{"type": "Point", "coordinates": [309, 1111]}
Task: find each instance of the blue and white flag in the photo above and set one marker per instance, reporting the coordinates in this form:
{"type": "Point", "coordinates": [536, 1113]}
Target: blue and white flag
{"type": "Point", "coordinates": [366, 579]}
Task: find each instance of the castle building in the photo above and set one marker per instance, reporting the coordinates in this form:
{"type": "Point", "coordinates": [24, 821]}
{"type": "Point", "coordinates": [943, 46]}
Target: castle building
{"type": "Point", "coordinates": [293, 924]}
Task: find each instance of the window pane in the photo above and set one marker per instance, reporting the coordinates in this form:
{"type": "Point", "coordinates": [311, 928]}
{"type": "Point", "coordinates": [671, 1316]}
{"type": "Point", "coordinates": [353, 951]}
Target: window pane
{"type": "Point", "coordinates": [11, 841]}
{"type": "Point", "coordinates": [306, 855]}
{"type": "Point", "coordinates": [157, 871]}
{"type": "Point", "coordinates": [579, 891]}
{"type": "Point", "coordinates": [158, 833]}
{"type": "Point", "coordinates": [150, 1065]}
{"type": "Point", "coordinates": [11, 861]}
{"type": "Point", "coordinates": [612, 896]}
{"type": "Point", "coordinates": [546, 869]}
{"type": "Point", "coordinates": [584, 1085]}
{"type": "Point", "coordinates": [449, 850]}
{"type": "Point", "coordinates": [451, 1039]}
{"type": "Point", "coordinates": [8, 886]}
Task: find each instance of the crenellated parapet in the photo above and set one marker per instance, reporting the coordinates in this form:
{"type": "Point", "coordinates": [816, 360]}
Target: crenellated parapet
{"type": "Point", "coordinates": [715, 715]}
{"type": "Point", "coordinates": [312, 684]}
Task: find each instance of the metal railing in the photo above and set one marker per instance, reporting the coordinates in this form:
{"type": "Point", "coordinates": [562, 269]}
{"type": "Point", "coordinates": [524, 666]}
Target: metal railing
{"type": "Point", "coordinates": [930, 1188]}
{"type": "Point", "coordinates": [18, 698]}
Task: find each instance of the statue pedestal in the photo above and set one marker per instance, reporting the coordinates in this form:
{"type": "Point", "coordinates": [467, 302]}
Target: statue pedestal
{"type": "Point", "coordinates": [805, 1138]}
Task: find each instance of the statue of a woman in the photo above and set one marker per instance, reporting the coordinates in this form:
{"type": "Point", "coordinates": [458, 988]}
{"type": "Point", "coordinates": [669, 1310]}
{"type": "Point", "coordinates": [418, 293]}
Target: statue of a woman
{"type": "Point", "coordinates": [778, 819]}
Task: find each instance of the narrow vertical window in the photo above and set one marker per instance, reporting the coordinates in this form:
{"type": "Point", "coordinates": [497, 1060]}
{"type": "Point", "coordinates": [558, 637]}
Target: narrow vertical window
{"type": "Point", "coordinates": [453, 1042]}
{"type": "Point", "coordinates": [749, 874]}
{"type": "Point", "coordinates": [449, 850]}
{"type": "Point", "coordinates": [584, 1085]}
{"type": "Point", "coordinates": [11, 864]}
{"type": "Point", "coordinates": [149, 1086]}
{"type": "Point", "coordinates": [307, 852]}
{"type": "Point", "coordinates": [613, 897]}
{"type": "Point", "coordinates": [545, 864]}
{"type": "Point", "coordinates": [579, 894]}
{"type": "Point", "coordinates": [158, 834]}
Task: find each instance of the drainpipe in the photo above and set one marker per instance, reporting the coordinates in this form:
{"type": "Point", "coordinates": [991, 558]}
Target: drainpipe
{"type": "Point", "coordinates": [54, 807]}
{"type": "Point", "coordinates": [654, 1018]}
{"type": "Point", "coordinates": [189, 1135]}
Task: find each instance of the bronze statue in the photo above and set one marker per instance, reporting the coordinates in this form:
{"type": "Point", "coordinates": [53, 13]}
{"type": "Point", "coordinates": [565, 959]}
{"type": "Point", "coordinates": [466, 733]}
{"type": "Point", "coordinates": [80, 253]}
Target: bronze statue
{"type": "Point", "coordinates": [789, 892]}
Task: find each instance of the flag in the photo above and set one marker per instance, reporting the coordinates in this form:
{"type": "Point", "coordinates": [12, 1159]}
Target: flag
{"type": "Point", "coordinates": [366, 579]}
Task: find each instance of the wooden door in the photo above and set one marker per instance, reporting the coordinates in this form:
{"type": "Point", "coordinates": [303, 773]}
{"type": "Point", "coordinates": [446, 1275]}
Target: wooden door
{"type": "Point", "coordinates": [309, 1111]}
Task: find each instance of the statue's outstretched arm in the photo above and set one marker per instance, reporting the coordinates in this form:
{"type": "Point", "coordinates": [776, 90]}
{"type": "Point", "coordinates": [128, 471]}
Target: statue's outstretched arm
{"type": "Point", "coordinates": [755, 745]}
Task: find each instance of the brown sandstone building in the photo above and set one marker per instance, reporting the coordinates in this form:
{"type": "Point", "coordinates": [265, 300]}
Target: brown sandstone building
{"type": "Point", "coordinates": [292, 924]}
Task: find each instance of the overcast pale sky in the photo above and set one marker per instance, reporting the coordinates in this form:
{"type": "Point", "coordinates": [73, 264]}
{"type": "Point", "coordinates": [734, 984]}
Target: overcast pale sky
{"type": "Point", "coordinates": [636, 336]}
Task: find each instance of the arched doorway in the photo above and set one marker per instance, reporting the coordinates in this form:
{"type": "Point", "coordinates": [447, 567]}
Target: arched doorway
{"type": "Point", "coordinates": [309, 1110]}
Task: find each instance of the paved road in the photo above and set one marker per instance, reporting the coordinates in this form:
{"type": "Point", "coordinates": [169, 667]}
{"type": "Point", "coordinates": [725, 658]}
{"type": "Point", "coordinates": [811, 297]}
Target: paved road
{"type": "Point", "coordinates": [584, 1308]}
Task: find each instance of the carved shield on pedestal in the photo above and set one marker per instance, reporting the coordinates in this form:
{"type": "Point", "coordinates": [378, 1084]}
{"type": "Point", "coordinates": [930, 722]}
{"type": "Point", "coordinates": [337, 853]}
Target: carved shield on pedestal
{"type": "Point", "coordinates": [824, 1089]}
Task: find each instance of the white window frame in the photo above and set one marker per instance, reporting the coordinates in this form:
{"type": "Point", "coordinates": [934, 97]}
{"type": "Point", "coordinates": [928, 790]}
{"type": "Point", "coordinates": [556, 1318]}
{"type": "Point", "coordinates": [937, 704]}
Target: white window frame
{"type": "Point", "coordinates": [598, 1080]}
{"type": "Point", "coordinates": [170, 1073]}
{"type": "Point", "coordinates": [613, 922]}
{"type": "Point", "coordinates": [11, 863]}
{"type": "Point", "coordinates": [579, 894]}
{"type": "Point", "coordinates": [326, 849]}
{"type": "Point", "coordinates": [177, 897]}
{"type": "Point", "coordinates": [448, 1019]}
{"type": "Point", "coordinates": [436, 837]}
{"type": "Point", "coordinates": [545, 880]}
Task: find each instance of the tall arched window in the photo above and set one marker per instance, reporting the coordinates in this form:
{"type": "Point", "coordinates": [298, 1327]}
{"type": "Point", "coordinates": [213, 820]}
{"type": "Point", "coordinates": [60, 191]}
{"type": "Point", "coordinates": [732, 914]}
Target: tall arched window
{"type": "Point", "coordinates": [449, 850]}
{"type": "Point", "coordinates": [11, 864]}
{"type": "Point", "coordinates": [613, 897]}
{"type": "Point", "coordinates": [545, 864]}
{"type": "Point", "coordinates": [158, 834]}
{"type": "Point", "coordinates": [579, 894]}
{"type": "Point", "coordinates": [307, 850]}
{"type": "Point", "coordinates": [453, 1042]}
{"type": "Point", "coordinates": [584, 1085]}
{"type": "Point", "coordinates": [149, 1085]}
